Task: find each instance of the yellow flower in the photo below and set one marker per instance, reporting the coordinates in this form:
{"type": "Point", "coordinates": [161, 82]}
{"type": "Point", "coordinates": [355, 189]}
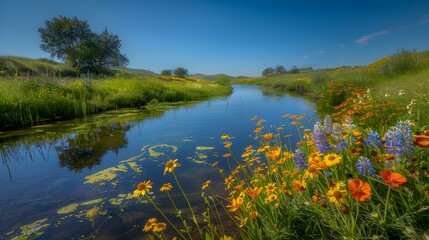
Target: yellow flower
{"type": "Point", "coordinates": [215, 163]}
{"type": "Point", "coordinates": [225, 237]}
{"type": "Point", "coordinates": [224, 136]}
{"type": "Point", "coordinates": [299, 185]}
{"type": "Point", "coordinates": [206, 184]}
{"type": "Point", "coordinates": [226, 155]}
{"type": "Point", "coordinates": [270, 188]}
{"type": "Point", "coordinates": [228, 181]}
{"type": "Point", "coordinates": [159, 227]}
{"type": "Point", "coordinates": [268, 136]}
{"type": "Point", "coordinates": [253, 192]}
{"type": "Point", "coordinates": [166, 187]}
{"type": "Point", "coordinates": [274, 153]}
{"type": "Point", "coordinates": [332, 159]}
{"type": "Point", "coordinates": [228, 144]}
{"type": "Point", "coordinates": [235, 204]}
{"type": "Point", "coordinates": [149, 224]}
{"type": "Point", "coordinates": [253, 215]}
{"type": "Point", "coordinates": [271, 198]}
{"type": "Point", "coordinates": [142, 189]}
{"type": "Point", "coordinates": [170, 165]}
{"type": "Point", "coordinates": [337, 193]}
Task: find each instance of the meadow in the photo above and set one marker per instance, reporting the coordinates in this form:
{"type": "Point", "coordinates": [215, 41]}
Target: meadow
{"type": "Point", "coordinates": [361, 173]}
{"type": "Point", "coordinates": [36, 93]}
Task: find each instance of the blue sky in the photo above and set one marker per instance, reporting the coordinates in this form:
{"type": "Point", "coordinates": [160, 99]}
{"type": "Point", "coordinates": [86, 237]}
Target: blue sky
{"type": "Point", "coordinates": [236, 37]}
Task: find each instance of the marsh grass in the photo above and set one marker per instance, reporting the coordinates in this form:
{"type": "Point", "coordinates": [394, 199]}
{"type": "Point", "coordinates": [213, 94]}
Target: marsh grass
{"type": "Point", "coordinates": [26, 102]}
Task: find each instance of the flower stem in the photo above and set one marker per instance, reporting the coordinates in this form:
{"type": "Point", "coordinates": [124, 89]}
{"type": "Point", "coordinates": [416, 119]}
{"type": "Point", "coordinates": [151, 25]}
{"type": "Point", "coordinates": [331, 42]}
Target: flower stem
{"type": "Point", "coordinates": [387, 204]}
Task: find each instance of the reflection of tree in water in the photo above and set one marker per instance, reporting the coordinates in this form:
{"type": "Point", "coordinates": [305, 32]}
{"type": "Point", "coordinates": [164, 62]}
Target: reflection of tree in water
{"type": "Point", "coordinates": [87, 148]}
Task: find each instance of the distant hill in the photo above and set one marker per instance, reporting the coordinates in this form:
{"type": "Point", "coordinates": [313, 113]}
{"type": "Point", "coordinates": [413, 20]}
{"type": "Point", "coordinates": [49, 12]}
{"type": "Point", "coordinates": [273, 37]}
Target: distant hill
{"type": "Point", "coordinates": [11, 65]}
{"type": "Point", "coordinates": [212, 77]}
{"type": "Point", "coordinates": [139, 71]}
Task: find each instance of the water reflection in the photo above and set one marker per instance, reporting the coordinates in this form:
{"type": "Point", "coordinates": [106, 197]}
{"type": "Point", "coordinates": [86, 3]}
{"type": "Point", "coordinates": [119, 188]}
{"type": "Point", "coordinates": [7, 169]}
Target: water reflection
{"type": "Point", "coordinates": [86, 149]}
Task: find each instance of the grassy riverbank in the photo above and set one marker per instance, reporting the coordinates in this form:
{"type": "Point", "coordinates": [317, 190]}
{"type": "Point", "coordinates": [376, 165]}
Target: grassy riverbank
{"type": "Point", "coordinates": [399, 78]}
{"type": "Point", "coordinates": [26, 102]}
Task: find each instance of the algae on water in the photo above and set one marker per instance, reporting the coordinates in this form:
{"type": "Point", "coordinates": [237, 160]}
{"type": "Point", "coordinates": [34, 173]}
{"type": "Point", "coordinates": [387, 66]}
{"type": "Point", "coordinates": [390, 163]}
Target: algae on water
{"type": "Point", "coordinates": [33, 230]}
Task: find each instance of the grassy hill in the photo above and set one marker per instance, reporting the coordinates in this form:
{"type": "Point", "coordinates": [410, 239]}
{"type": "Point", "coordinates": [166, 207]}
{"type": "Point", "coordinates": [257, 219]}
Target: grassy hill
{"type": "Point", "coordinates": [212, 77]}
{"type": "Point", "coordinates": [399, 78]}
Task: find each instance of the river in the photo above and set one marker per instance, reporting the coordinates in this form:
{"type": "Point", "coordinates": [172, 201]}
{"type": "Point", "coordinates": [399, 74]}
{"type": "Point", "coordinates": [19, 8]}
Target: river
{"type": "Point", "coordinates": [74, 179]}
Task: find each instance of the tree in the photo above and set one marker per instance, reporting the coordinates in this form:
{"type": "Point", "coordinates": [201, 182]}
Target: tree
{"type": "Point", "coordinates": [268, 71]}
{"type": "Point", "coordinates": [280, 69]}
{"type": "Point", "coordinates": [294, 69]}
{"type": "Point", "coordinates": [71, 40]}
{"type": "Point", "coordinates": [181, 72]}
{"type": "Point", "coordinates": [167, 72]}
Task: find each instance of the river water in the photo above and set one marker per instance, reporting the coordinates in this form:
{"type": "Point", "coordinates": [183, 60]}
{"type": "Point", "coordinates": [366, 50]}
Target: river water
{"type": "Point", "coordinates": [73, 179]}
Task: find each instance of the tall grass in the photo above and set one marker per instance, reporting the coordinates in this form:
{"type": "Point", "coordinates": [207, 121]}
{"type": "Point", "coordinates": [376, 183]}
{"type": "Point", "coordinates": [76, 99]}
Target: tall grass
{"type": "Point", "coordinates": [25, 102]}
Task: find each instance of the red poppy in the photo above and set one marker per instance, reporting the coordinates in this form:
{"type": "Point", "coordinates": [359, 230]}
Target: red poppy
{"type": "Point", "coordinates": [392, 178]}
{"type": "Point", "coordinates": [359, 189]}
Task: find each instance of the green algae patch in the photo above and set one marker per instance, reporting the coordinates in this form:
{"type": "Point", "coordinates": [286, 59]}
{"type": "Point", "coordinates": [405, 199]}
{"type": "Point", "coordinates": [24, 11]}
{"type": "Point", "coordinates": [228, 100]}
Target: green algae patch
{"type": "Point", "coordinates": [131, 159]}
{"type": "Point", "coordinates": [135, 167]}
{"type": "Point", "coordinates": [204, 148]}
{"type": "Point", "coordinates": [91, 214]}
{"type": "Point", "coordinates": [98, 200]}
{"type": "Point", "coordinates": [107, 174]}
{"type": "Point", "coordinates": [68, 209]}
{"type": "Point", "coordinates": [33, 230]}
{"type": "Point", "coordinates": [156, 151]}
{"type": "Point", "coordinates": [121, 199]}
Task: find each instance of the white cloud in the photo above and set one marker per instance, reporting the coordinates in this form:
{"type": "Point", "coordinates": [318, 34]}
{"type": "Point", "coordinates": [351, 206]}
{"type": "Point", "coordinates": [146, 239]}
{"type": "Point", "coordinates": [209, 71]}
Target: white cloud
{"type": "Point", "coordinates": [319, 52]}
{"type": "Point", "coordinates": [305, 56]}
{"type": "Point", "coordinates": [424, 19]}
{"type": "Point", "coordinates": [368, 38]}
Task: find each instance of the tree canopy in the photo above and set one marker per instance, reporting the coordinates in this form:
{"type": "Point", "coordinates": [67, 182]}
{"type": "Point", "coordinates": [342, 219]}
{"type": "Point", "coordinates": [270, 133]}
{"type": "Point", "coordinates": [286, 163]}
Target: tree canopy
{"type": "Point", "coordinates": [72, 41]}
{"type": "Point", "coordinates": [180, 72]}
{"type": "Point", "coordinates": [268, 71]}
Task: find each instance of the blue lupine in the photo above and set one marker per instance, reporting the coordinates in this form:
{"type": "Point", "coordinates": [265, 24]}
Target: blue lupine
{"type": "Point", "coordinates": [341, 144]}
{"type": "Point", "coordinates": [320, 141]}
{"type": "Point", "coordinates": [300, 159]}
{"type": "Point", "coordinates": [373, 140]}
{"type": "Point", "coordinates": [399, 140]}
{"type": "Point", "coordinates": [364, 166]}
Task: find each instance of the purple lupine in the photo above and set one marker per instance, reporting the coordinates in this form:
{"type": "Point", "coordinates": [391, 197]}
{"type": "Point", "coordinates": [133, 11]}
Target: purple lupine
{"type": "Point", "coordinates": [373, 140]}
{"type": "Point", "coordinates": [300, 159]}
{"type": "Point", "coordinates": [320, 141]}
{"type": "Point", "coordinates": [364, 166]}
{"type": "Point", "coordinates": [405, 127]}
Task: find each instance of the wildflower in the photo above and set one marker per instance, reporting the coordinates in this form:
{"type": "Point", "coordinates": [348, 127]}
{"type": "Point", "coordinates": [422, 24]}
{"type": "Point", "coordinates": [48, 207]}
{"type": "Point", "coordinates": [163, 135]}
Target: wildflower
{"type": "Point", "coordinates": [159, 227]}
{"type": "Point", "coordinates": [341, 144]}
{"type": "Point", "coordinates": [215, 163]}
{"type": "Point", "coordinates": [373, 140]}
{"type": "Point", "coordinates": [312, 171]}
{"type": "Point", "coordinates": [263, 148]}
{"type": "Point", "coordinates": [235, 204]}
{"type": "Point", "coordinates": [253, 192]}
{"type": "Point", "coordinates": [258, 130]}
{"type": "Point", "coordinates": [227, 155]}
{"type": "Point", "coordinates": [166, 187]}
{"type": "Point", "coordinates": [359, 189]}
{"type": "Point", "coordinates": [268, 136]}
{"type": "Point", "coordinates": [228, 144]}
{"type": "Point", "coordinates": [149, 224]}
{"type": "Point", "coordinates": [253, 215]}
{"type": "Point", "coordinates": [399, 140]}
{"type": "Point", "coordinates": [271, 198]}
{"type": "Point", "coordinates": [327, 124]}
{"type": "Point", "coordinates": [171, 165]}
{"type": "Point", "coordinates": [320, 141]}
{"type": "Point", "coordinates": [300, 159]}
{"type": "Point", "coordinates": [299, 185]}
{"type": "Point", "coordinates": [315, 198]}
{"type": "Point", "coordinates": [274, 153]}
{"type": "Point", "coordinates": [270, 188]}
{"type": "Point", "coordinates": [206, 184]}
{"type": "Point", "coordinates": [336, 194]}
{"type": "Point", "coordinates": [228, 181]}
{"type": "Point", "coordinates": [226, 237]}
{"type": "Point", "coordinates": [332, 159]}
{"type": "Point", "coordinates": [387, 95]}
{"type": "Point", "coordinates": [422, 141]}
{"type": "Point", "coordinates": [393, 179]}
{"type": "Point", "coordinates": [401, 92]}
{"type": "Point", "coordinates": [142, 189]}
{"type": "Point", "coordinates": [224, 136]}
{"type": "Point", "coordinates": [364, 166]}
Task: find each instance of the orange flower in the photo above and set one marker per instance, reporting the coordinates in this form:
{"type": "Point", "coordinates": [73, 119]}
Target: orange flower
{"type": "Point", "coordinates": [253, 192]}
{"type": "Point", "coordinates": [228, 144]}
{"type": "Point", "coordinates": [359, 189]}
{"type": "Point", "coordinates": [268, 136]}
{"type": "Point", "coordinates": [422, 141]}
{"type": "Point", "coordinates": [274, 153]}
{"type": "Point", "coordinates": [392, 178]}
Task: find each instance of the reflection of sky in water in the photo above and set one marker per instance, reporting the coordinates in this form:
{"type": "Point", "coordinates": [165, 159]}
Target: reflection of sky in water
{"type": "Point", "coordinates": [40, 186]}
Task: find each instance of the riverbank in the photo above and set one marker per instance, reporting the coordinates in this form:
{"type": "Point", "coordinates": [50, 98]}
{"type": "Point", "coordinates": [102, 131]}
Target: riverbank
{"type": "Point", "coordinates": [29, 102]}
{"type": "Point", "coordinates": [401, 78]}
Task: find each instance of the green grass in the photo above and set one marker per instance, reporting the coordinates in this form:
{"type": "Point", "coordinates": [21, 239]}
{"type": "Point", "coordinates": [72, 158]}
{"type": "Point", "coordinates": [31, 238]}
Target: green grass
{"type": "Point", "coordinates": [408, 71]}
{"type": "Point", "coordinates": [26, 102]}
